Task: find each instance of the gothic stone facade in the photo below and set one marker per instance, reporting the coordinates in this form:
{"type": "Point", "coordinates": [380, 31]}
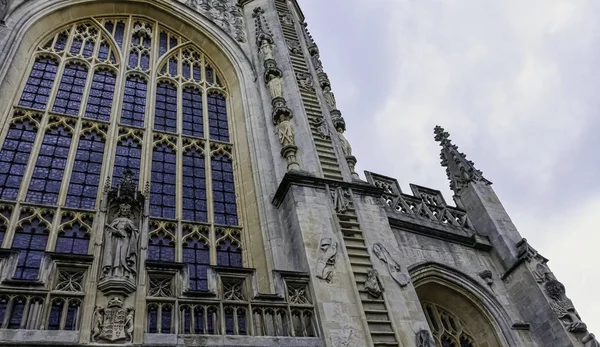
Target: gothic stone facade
{"type": "Point", "coordinates": [176, 173]}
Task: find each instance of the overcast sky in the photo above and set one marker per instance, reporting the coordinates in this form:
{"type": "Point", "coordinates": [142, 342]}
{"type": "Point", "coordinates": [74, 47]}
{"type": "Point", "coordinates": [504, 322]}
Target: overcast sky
{"type": "Point", "coordinates": [514, 82]}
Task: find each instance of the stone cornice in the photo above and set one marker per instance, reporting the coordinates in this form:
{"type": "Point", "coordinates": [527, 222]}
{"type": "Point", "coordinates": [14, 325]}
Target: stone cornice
{"type": "Point", "coordinates": [304, 179]}
{"type": "Point", "coordinates": [474, 241]}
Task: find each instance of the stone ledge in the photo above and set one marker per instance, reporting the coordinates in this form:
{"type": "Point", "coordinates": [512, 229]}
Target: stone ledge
{"type": "Point", "coordinates": [474, 241]}
{"type": "Point", "coordinates": [304, 179]}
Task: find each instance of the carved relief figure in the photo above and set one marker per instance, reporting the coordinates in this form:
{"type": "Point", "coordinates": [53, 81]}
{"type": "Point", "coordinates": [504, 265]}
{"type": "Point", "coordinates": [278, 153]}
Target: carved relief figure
{"type": "Point", "coordinates": [305, 81]}
{"type": "Point", "coordinates": [424, 339]}
{"type": "Point", "coordinates": [322, 128]}
{"type": "Point", "coordinates": [329, 97]}
{"type": "Point", "coordinates": [266, 50]}
{"type": "Point", "coordinates": [113, 323]}
{"type": "Point", "coordinates": [340, 199]}
{"type": "Point", "coordinates": [317, 62]}
{"type": "Point", "coordinates": [326, 259]}
{"type": "Point", "coordinates": [393, 267]}
{"type": "Point", "coordinates": [275, 85]}
{"type": "Point", "coordinates": [346, 148]}
{"type": "Point", "coordinates": [121, 246]}
{"type": "Point", "coordinates": [373, 285]}
{"type": "Point", "coordinates": [285, 132]}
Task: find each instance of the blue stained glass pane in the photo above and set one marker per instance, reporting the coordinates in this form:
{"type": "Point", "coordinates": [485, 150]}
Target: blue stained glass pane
{"type": "Point", "coordinates": [229, 322]}
{"type": "Point", "coordinates": [70, 90]}
{"type": "Point", "coordinates": [38, 86]}
{"type": "Point", "coordinates": [165, 118]}
{"type": "Point", "coordinates": [127, 157]}
{"type": "Point", "coordinates": [194, 187]}
{"type": "Point", "coordinates": [16, 314]}
{"type": "Point", "coordinates": [85, 176]}
{"type": "Point", "coordinates": [30, 240]}
{"type": "Point", "coordinates": [165, 322]}
{"type": "Point", "coordinates": [119, 33]}
{"type": "Point", "coordinates": [72, 316]}
{"type": "Point", "coordinates": [55, 315]}
{"type": "Point", "coordinates": [134, 102]}
{"type": "Point", "coordinates": [73, 239]}
{"type": "Point", "coordinates": [14, 156]}
{"type": "Point", "coordinates": [187, 319]}
{"type": "Point", "coordinates": [152, 319]}
{"type": "Point", "coordinates": [210, 75]}
{"type": "Point", "coordinates": [242, 330]}
{"type": "Point", "coordinates": [217, 117]}
{"type": "Point", "coordinates": [224, 200]}
{"type": "Point", "coordinates": [163, 182]}
{"type": "Point", "coordinates": [76, 46]}
{"type": "Point", "coordinates": [61, 41]}
{"type": "Point", "coordinates": [229, 254]}
{"type": "Point", "coordinates": [3, 306]}
{"type": "Point", "coordinates": [199, 320]}
{"type": "Point", "coordinates": [163, 43]}
{"type": "Point", "coordinates": [161, 247]}
{"type": "Point", "coordinates": [193, 123]}
{"type": "Point", "coordinates": [196, 255]}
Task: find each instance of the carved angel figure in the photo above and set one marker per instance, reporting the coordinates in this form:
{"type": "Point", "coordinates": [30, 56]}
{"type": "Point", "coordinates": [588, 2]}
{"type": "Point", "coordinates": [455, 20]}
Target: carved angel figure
{"type": "Point", "coordinates": [266, 50]}
{"type": "Point", "coordinates": [285, 131]}
{"type": "Point", "coordinates": [326, 259]}
{"type": "Point", "coordinates": [275, 85]}
{"type": "Point", "coordinates": [372, 284]}
{"type": "Point", "coordinates": [346, 148]}
{"type": "Point", "coordinates": [121, 246]}
{"type": "Point", "coordinates": [329, 97]}
{"type": "Point", "coordinates": [393, 267]}
{"type": "Point", "coordinates": [97, 323]}
{"type": "Point", "coordinates": [563, 307]}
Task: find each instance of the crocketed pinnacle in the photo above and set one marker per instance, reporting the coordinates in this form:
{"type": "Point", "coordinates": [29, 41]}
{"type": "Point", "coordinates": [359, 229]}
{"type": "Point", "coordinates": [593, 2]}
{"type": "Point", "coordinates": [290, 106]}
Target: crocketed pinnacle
{"type": "Point", "coordinates": [459, 170]}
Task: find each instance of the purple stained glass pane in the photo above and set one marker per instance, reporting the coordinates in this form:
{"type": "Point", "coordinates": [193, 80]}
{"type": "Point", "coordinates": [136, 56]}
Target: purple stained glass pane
{"type": "Point", "coordinates": [224, 201]}
{"type": "Point", "coordinates": [229, 322]}
{"type": "Point", "coordinates": [217, 117]}
{"type": "Point", "coordinates": [16, 314]}
{"type": "Point", "coordinates": [229, 254]}
{"type": "Point", "coordinates": [134, 102]}
{"type": "Point", "coordinates": [196, 255]}
{"type": "Point", "coordinates": [242, 330]}
{"type": "Point", "coordinates": [39, 84]}
{"type": "Point", "coordinates": [49, 168]}
{"type": "Point", "coordinates": [161, 247]}
{"type": "Point", "coordinates": [72, 315]}
{"type": "Point", "coordinates": [30, 240]}
{"type": "Point", "coordinates": [73, 239]}
{"type": "Point", "coordinates": [76, 46]}
{"type": "Point", "coordinates": [165, 118]}
{"type": "Point", "coordinates": [127, 157]}
{"type": "Point", "coordinates": [199, 320]}
{"type": "Point", "coordinates": [152, 319]}
{"type": "Point", "coordinates": [194, 187]}
{"type": "Point", "coordinates": [163, 182]}
{"type": "Point", "coordinates": [119, 33]}
{"type": "Point", "coordinates": [70, 90]}
{"type": "Point", "coordinates": [61, 41]}
{"type": "Point", "coordinates": [193, 123]}
{"type": "Point", "coordinates": [14, 156]}
{"type": "Point", "coordinates": [55, 314]}
{"type": "Point", "coordinates": [163, 43]}
{"type": "Point", "coordinates": [85, 176]}
{"type": "Point", "coordinates": [166, 317]}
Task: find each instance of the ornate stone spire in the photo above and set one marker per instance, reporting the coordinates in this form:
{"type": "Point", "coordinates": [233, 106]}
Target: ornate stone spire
{"type": "Point", "coordinates": [460, 171]}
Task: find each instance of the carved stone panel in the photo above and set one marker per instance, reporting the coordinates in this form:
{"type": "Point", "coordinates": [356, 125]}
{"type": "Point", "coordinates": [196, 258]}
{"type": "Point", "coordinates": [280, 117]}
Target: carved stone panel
{"type": "Point", "coordinates": [394, 269]}
{"type": "Point", "coordinates": [326, 259]}
{"type": "Point", "coordinates": [372, 284]}
{"type": "Point", "coordinates": [113, 323]}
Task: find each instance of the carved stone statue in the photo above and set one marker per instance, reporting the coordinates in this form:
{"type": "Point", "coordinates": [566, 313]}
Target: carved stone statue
{"type": "Point", "coordinates": [340, 199]}
{"type": "Point", "coordinates": [121, 246]}
{"type": "Point", "coordinates": [305, 81]}
{"type": "Point", "coordinates": [113, 323]}
{"type": "Point", "coordinates": [322, 128]}
{"type": "Point", "coordinates": [393, 267]}
{"type": "Point", "coordinates": [329, 98]}
{"type": "Point", "coordinates": [285, 132]}
{"type": "Point", "coordinates": [373, 285]}
{"type": "Point", "coordinates": [266, 50]}
{"type": "Point", "coordinates": [346, 148]}
{"type": "Point", "coordinates": [275, 85]}
{"type": "Point", "coordinates": [326, 259]}
{"type": "Point", "coordinates": [563, 307]}
{"type": "Point", "coordinates": [424, 339]}
{"type": "Point", "coordinates": [317, 62]}
{"type": "Point", "coordinates": [589, 340]}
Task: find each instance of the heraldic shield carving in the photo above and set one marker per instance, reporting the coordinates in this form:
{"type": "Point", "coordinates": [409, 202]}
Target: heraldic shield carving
{"type": "Point", "coordinates": [113, 323]}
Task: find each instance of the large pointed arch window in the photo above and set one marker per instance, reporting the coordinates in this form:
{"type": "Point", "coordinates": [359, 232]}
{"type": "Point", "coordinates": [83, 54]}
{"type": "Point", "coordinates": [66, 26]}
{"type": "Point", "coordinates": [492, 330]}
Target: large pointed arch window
{"type": "Point", "coordinates": [106, 96]}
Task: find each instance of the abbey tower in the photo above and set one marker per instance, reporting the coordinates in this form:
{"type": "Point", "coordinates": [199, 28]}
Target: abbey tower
{"type": "Point", "coordinates": [175, 173]}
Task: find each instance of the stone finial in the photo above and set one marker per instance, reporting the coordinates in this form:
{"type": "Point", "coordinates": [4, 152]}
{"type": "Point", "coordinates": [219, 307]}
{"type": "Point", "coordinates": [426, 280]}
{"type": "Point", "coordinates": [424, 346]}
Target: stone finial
{"type": "Point", "coordinates": [459, 170]}
{"type": "Point", "coordinates": [263, 32]}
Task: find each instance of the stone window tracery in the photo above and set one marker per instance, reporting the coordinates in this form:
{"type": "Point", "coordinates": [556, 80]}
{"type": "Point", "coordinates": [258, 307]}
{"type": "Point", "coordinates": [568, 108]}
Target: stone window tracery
{"type": "Point", "coordinates": [448, 330]}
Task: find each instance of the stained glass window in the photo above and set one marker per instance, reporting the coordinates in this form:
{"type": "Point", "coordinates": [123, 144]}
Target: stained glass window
{"type": "Point", "coordinates": [102, 91]}
{"type": "Point", "coordinates": [229, 254]}
{"type": "Point", "coordinates": [224, 199]}
{"type": "Point", "coordinates": [30, 240]}
{"type": "Point", "coordinates": [217, 117]}
{"type": "Point", "coordinates": [14, 157]}
{"type": "Point", "coordinates": [163, 185]}
{"type": "Point", "coordinates": [50, 166]}
{"type": "Point", "coordinates": [128, 157]}
{"type": "Point", "coordinates": [197, 257]}
{"type": "Point", "coordinates": [39, 84]}
{"type": "Point", "coordinates": [161, 247]}
{"type": "Point", "coordinates": [152, 319]}
{"type": "Point", "coordinates": [73, 239]}
{"type": "Point", "coordinates": [16, 314]}
{"type": "Point", "coordinates": [134, 101]}
{"type": "Point", "coordinates": [193, 124]}
{"type": "Point", "coordinates": [85, 176]}
{"type": "Point", "coordinates": [70, 91]}
{"type": "Point", "coordinates": [194, 186]}
{"type": "Point", "coordinates": [165, 118]}
{"type": "Point", "coordinates": [55, 314]}
{"type": "Point", "coordinates": [166, 319]}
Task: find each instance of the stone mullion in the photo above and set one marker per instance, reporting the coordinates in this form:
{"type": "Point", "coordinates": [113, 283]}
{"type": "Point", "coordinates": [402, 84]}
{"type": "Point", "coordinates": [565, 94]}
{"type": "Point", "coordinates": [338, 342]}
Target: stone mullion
{"type": "Point", "coordinates": [208, 167]}
{"type": "Point", "coordinates": [179, 153]}
{"type": "Point", "coordinates": [63, 317]}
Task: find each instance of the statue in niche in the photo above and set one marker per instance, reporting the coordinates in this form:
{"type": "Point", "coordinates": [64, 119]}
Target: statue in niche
{"type": "Point", "coordinates": [373, 285]}
{"type": "Point", "coordinates": [329, 97]}
{"type": "Point", "coordinates": [326, 259]}
{"type": "Point", "coordinates": [317, 62]}
{"type": "Point", "coordinates": [340, 199]}
{"type": "Point", "coordinates": [393, 267]}
{"type": "Point", "coordinates": [424, 339]}
{"type": "Point", "coordinates": [266, 50]}
{"type": "Point", "coordinates": [275, 85]}
{"type": "Point", "coordinates": [121, 246]}
{"type": "Point", "coordinates": [346, 148]}
{"type": "Point", "coordinates": [113, 323]}
{"type": "Point", "coordinates": [285, 132]}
